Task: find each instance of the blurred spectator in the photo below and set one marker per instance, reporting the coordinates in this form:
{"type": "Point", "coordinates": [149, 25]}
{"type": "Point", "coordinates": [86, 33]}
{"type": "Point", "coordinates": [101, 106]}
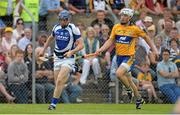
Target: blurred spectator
{"type": "Point", "coordinates": [77, 6]}
{"type": "Point", "coordinates": [159, 6]}
{"type": "Point", "coordinates": [48, 10]}
{"type": "Point", "coordinates": [167, 15]}
{"type": "Point", "coordinates": [17, 77]}
{"type": "Point", "coordinates": [18, 32]}
{"type": "Point", "coordinates": [96, 5]}
{"type": "Point", "coordinates": [145, 22]}
{"type": "Point", "coordinates": [97, 30]}
{"type": "Point", "coordinates": [106, 56]}
{"type": "Point", "coordinates": [6, 14]}
{"type": "Point", "coordinates": [117, 5]}
{"type": "Point", "coordinates": [101, 19]}
{"type": "Point", "coordinates": [158, 43]}
{"type": "Point", "coordinates": [176, 10]}
{"type": "Point", "coordinates": [82, 29]}
{"type": "Point", "coordinates": [28, 61]}
{"type": "Point", "coordinates": [33, 7]}
{"type": "Point", "coordinates": [10, 56]}
{"type": "Point", "coordinates": [41, 41]}
{"type": "Point", "coordinates": [8, 40]}
{"type": "Point", "coordinates": [156, 6]}
{"type": "Point", "coordinates": [174, 50]}
{"type": "Point", "coordinates": [148, 21]}
{"type": "Point", "coordinates": [91, 45]}
{"type": "Point", "coordinates": [171, 3]}
{"type": "Point", "coordinates": [139, 5]}
{"type": "Point", "coordinates": [3, 90]}
{"type": "Point", "coordinates": [174, 34]}
{"type": "Point", "coordinates": [165, 33]}
{"type": "Point", "coordinates": [22, 43]}
{"type": "Point", "coordinates": [3, 78]}
{"type": "Point", "coordinates": [44, 76]}
{"type": "Point", "coordinates": [167, 72]}
{"type": "Point", "coordinates": [72, 90]}
{"type": "Point", "coordinates": [145, 82]}
{"type": "Point", "coordinates": [141, 56]}
{"type": "Point", "coordinates": [140, 22]}
{"type": "Point", "coordinates": [151, 31]}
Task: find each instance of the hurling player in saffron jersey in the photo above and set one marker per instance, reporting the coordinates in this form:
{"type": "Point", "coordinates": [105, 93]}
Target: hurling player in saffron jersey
{"type": "Point", "coordinates": [68, 41]}
{"type": "Point", "coordinates": [124, 36]}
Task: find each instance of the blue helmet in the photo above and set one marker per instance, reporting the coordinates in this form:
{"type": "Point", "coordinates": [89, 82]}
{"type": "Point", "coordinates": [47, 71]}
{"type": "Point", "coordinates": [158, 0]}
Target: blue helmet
{"type": "Point", "coordinates": [64, 14]}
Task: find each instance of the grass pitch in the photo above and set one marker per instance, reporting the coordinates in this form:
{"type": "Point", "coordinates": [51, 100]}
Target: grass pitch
{"type": "Point", "coordinates": [85, 109]}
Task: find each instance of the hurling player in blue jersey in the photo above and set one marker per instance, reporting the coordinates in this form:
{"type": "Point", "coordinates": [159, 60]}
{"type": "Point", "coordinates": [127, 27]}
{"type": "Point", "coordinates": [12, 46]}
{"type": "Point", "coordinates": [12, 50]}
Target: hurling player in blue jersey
{"type": "Point", "coordinates": [68, 41]}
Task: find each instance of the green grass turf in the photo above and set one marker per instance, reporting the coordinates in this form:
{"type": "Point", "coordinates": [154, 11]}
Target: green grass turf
{"type": "Point", "coordinates": [85, 109]}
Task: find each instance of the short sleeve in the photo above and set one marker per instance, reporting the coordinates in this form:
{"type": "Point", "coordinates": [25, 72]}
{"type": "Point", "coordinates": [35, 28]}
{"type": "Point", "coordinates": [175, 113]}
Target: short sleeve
{"type": "Point", "coordinates": [53, 31]}
{"type": "Point", "coordinates": [52, 4]}
{"type": "Point", "coordinates": [175, 67]}
{"type": "Point", "coordinates": [158, 67]}
{"type": "Point", "coordinates": [76, 32]}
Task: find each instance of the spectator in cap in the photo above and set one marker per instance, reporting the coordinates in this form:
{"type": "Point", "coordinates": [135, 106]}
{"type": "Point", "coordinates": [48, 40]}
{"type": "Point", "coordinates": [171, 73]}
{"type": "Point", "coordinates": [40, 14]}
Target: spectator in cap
{"type": "Point", "coordinates": [148, 21]}
{"type": "Point", "coordinates": [8, 40]}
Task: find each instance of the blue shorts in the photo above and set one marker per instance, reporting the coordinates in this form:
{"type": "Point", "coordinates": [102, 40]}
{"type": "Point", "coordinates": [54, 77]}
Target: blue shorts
{"type": "Point", "coordinates": [126, 61]}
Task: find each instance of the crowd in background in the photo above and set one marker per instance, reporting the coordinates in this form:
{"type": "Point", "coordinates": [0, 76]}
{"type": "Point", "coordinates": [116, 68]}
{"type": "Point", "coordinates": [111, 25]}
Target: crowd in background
{"type": "Point", "coordinates": [160, 19]}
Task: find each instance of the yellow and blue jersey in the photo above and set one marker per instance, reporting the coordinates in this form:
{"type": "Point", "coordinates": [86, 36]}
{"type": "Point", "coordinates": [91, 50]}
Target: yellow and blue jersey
{"type": "Point", "coordinates": [125, 42]}
{"type": "Point", "coordinates": [125, 38]}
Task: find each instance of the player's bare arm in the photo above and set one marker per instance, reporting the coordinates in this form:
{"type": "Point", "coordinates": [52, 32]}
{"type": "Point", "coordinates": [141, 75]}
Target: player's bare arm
{"type": "Point", "coordinates": [151, 44]}
{"type": "Point", "coordinates": [107, 44]}
{"type": "Point", "coordinates": [49, 40]}
{"type": "Point", "coordinates": [79, 46]}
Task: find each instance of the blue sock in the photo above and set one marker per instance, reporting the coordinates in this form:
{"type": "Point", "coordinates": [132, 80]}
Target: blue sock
{"type": "Point", "coordinates": [54, 101]}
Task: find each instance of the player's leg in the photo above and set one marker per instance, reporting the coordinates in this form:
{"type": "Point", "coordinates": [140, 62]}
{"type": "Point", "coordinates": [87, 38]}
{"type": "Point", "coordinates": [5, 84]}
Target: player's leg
{"type": "Point", "coordinates": [61, 79]}
{"type": "Point", "coordinates": [126, 65]}
{"type": "Point", "coordinates": [134, 87]}
{"type": "Point", "coordinates": [121, 74]}
{"type": "Point", "coordinates": [139, 99]}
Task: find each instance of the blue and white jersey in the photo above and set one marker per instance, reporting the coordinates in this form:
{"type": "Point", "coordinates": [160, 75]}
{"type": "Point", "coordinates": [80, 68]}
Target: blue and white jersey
{"type": "Point", "coordinates": [65, 38]}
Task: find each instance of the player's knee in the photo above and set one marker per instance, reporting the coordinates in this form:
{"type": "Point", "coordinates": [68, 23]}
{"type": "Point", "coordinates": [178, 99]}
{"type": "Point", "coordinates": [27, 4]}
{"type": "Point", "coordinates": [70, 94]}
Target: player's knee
{"type": "Point", "coordinates": [119, 73]}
